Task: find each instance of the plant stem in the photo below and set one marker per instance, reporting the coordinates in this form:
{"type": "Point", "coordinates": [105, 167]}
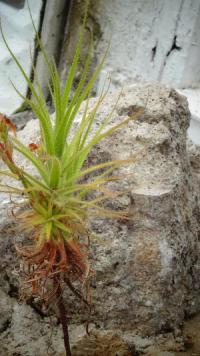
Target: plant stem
{"type": "Point", "coordinates": [63, 319]}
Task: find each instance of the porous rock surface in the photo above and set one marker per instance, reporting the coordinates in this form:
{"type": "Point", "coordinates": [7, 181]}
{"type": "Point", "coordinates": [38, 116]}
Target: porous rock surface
{"type": "Point", "coordinates": [147, 273]}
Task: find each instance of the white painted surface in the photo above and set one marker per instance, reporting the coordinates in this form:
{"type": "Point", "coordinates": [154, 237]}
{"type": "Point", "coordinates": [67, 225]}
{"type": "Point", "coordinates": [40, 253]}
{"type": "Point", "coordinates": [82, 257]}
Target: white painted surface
{"type": "Point", "coordinates": [153, 40]}
{"type": "Point", "coordinates": [55, 11]}
{"type": "Point", "coordinates": [194, 131]}
{"type": "Point", "coordinates": [193, 97]}
{"type": "Point", "coordinates": [19, 33]}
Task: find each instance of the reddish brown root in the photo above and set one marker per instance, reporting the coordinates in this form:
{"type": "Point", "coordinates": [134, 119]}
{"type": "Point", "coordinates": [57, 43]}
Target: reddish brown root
{"type": "Point", "coordinates": [51, 259]}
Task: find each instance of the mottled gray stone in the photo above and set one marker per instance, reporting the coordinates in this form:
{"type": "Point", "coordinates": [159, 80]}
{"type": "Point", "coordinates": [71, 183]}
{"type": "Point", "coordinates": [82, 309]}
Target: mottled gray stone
{"type": "Point", "coordinates": [5, 311]}
{"type": "Point", "coordinates": [163, 353]}
{"type": "Point", "coordinates": [21, 119]}
{"type": "Point", "coordinates": [147, 273]}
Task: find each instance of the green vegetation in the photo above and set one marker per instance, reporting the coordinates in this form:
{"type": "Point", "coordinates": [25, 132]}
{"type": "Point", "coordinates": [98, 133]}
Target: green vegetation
{"type": "Point", "coordinates": [58, 195]}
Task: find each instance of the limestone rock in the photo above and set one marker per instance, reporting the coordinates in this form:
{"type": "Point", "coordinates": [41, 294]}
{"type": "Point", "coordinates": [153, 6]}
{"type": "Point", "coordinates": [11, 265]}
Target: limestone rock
{"type": "Point", "coordinates": [147, 273]}
{"type": "Point", "coordinates": [20, 119]}
{"type": "Point", "coordinates": [5, 311]}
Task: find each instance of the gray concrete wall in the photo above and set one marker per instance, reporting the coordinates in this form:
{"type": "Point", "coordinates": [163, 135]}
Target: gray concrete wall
{"type": "Point", "coordinates": [150, 40]}
{"type": "Point", "coordinates": [153, 40]}
{"type": "Point", "coordinates": [19, 33]}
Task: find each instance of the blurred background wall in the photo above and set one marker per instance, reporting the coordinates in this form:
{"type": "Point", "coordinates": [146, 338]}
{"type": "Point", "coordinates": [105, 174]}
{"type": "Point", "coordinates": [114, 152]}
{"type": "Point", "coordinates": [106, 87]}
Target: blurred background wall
{"type": "Point", "coordinates": [19, 33]}
{"type": "Point", "coordinates": [150, 40]}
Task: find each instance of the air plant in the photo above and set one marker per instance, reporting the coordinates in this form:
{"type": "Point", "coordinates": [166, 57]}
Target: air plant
{"type": "Point", "coordinates": [58, 196]}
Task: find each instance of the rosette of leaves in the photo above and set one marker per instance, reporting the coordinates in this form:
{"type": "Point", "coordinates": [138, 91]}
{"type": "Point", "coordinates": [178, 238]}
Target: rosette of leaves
{"type": "Point", "coordinates": [58, 195]}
